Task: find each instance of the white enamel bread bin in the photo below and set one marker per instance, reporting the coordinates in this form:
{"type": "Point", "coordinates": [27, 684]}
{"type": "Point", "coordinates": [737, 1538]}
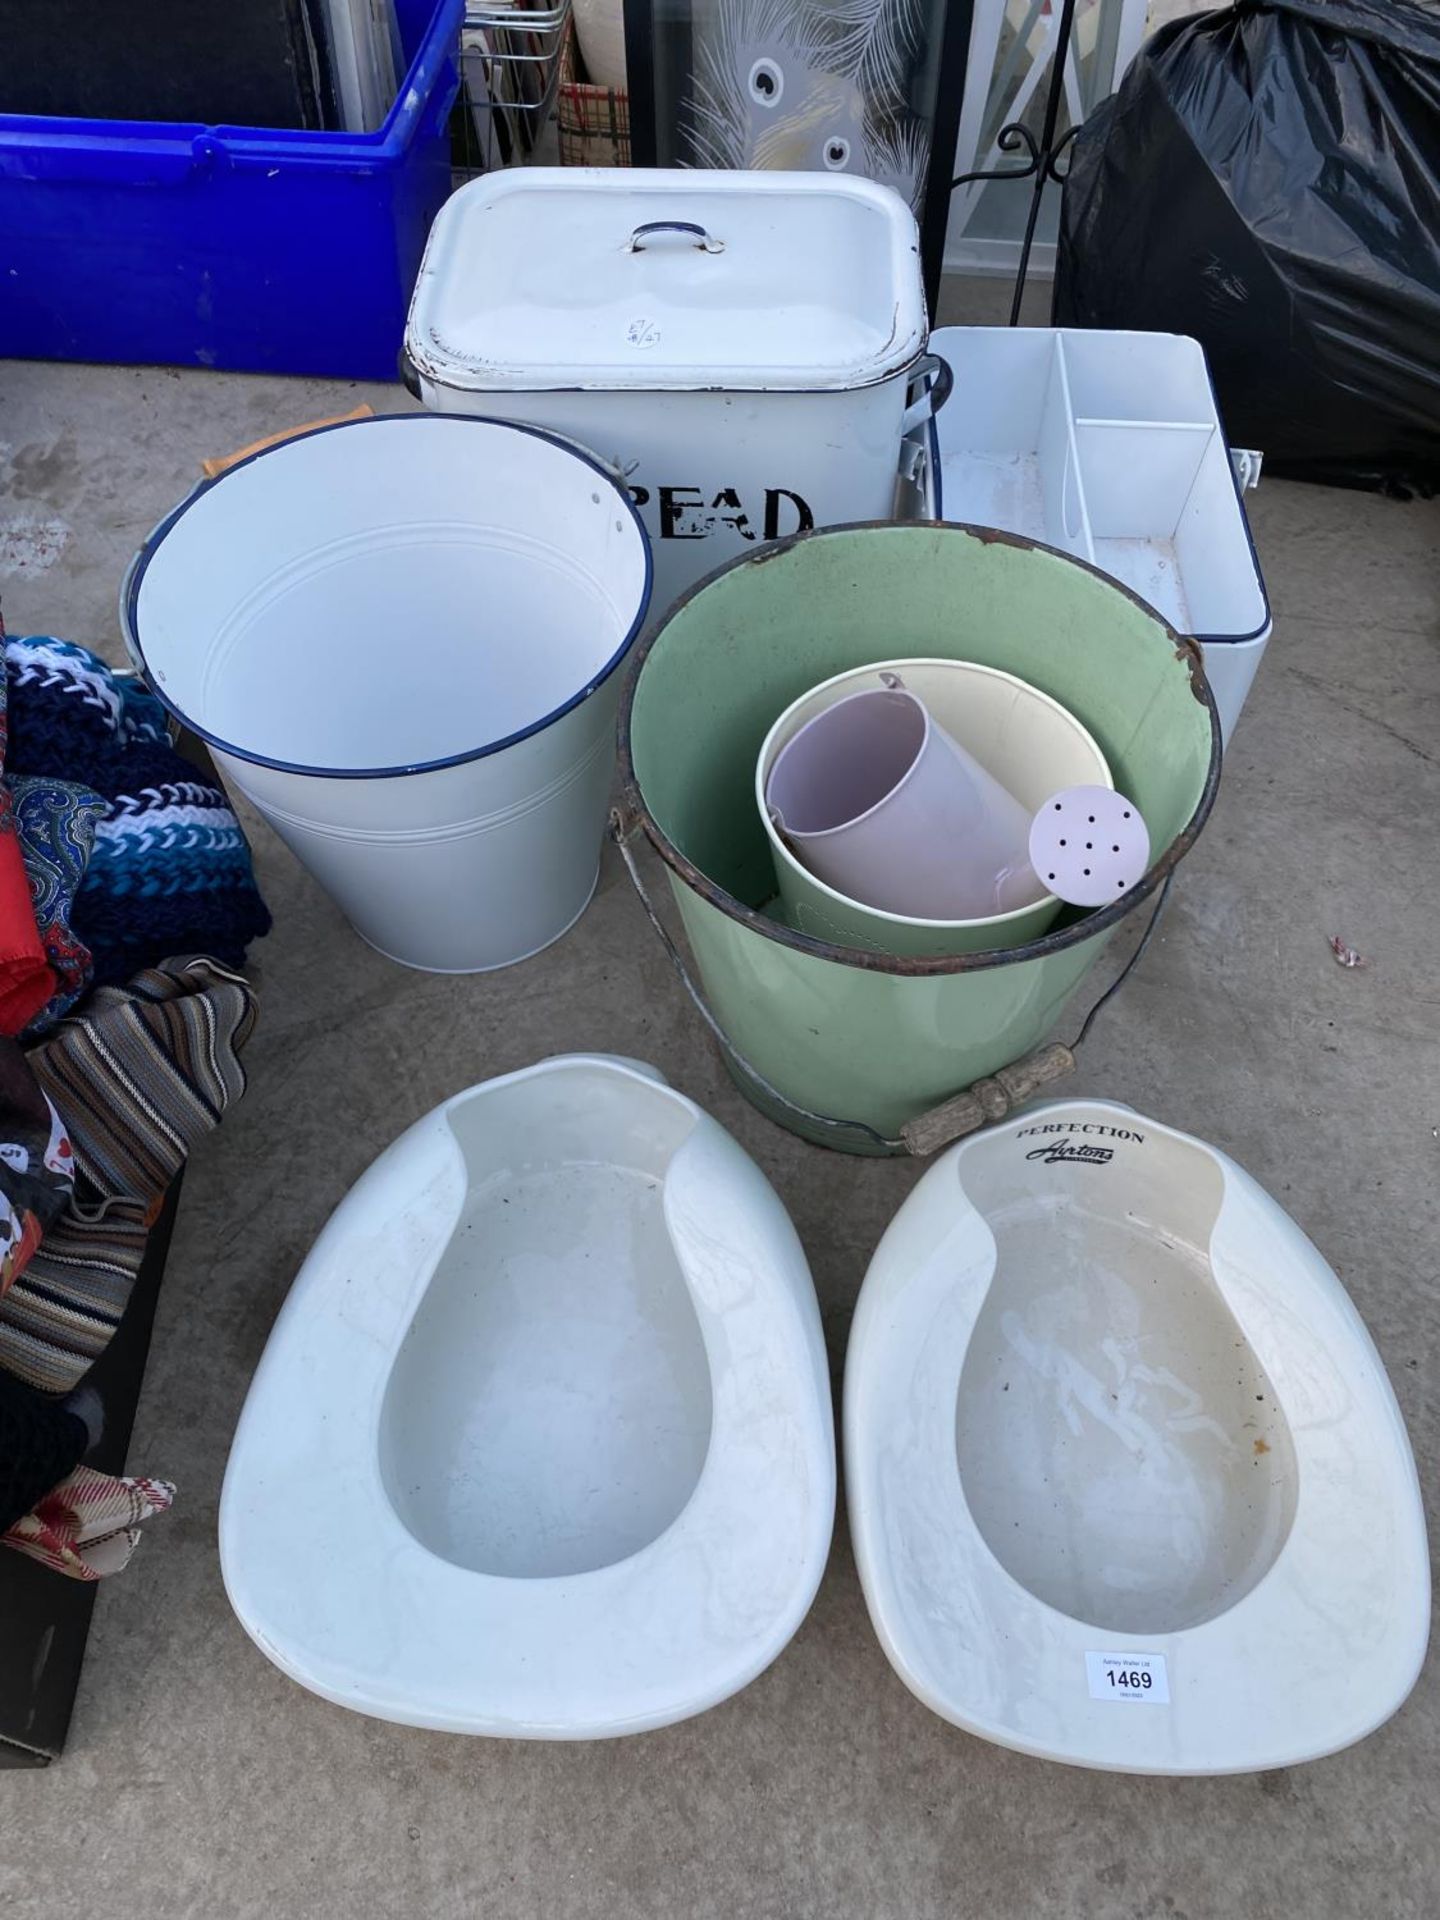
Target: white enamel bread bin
{"type": "Point", "coordinates": [746, 350]}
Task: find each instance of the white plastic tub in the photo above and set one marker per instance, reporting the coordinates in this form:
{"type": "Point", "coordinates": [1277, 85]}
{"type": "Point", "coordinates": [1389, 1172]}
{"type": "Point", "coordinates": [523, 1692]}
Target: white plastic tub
{"type": "Point", "coordinates": [1109, 446]}
{"type": "Point", "coordinates": [745, 349]}
{"type": "Point", "coordinates": [399, 637]}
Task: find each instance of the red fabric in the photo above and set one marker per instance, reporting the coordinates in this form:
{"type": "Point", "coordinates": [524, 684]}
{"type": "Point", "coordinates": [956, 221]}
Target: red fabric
{"type": "Point", "coordinates": [26, 979]}
{"type": "Point", "coordinates": [27, 982]}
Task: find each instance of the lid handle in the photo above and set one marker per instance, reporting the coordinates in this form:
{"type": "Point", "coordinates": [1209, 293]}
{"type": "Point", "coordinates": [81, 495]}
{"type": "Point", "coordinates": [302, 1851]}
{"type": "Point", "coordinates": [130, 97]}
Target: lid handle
{"type": "Point", "coordinates": [704, 242]}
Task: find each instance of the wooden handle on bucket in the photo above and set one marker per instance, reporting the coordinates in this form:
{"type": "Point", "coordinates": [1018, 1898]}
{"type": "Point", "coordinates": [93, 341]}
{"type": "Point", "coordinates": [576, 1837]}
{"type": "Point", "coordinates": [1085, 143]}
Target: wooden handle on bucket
{"type": "Point", "coordinates": [987, 1101]}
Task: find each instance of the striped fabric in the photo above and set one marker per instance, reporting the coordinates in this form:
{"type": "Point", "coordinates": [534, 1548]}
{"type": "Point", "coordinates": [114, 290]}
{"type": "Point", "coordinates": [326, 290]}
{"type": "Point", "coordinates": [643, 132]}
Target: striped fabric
{"type": "Point", "coordinates": [139, 1076]}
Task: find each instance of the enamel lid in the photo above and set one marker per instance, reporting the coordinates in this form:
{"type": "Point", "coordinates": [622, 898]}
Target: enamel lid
{"type": "Point", "coordinates": [541, 278]}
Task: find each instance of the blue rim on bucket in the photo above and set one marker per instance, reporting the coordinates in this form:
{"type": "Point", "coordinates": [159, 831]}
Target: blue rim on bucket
{"type": "Point", "coordinates": [135, 574]}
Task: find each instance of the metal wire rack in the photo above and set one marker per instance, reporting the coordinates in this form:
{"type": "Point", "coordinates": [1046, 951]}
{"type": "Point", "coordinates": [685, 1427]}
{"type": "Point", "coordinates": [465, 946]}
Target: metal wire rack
{"type": "Point", "coordinates": [510, 63]}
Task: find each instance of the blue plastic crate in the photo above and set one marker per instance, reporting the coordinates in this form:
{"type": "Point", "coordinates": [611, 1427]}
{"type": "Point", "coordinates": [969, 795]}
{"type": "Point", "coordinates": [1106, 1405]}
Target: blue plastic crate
{"type": "Point", "coordinates": [275, 252]}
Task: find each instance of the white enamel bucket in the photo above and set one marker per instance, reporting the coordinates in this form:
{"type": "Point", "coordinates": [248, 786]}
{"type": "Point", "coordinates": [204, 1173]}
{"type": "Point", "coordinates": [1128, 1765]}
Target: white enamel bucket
{"type": "Point", "coordinates": [399, 637]}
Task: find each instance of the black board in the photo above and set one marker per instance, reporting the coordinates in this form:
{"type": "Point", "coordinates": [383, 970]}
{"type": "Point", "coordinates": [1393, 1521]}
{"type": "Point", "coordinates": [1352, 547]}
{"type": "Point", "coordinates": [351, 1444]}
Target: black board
{"type": "Point", "coordinates": [45, 1617]}
{"type": "Point", "coordinates": [248, 63]}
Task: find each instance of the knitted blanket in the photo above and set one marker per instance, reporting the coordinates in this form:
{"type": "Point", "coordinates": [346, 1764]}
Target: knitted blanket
{"type": "Point", "coordinates": [165, 867]}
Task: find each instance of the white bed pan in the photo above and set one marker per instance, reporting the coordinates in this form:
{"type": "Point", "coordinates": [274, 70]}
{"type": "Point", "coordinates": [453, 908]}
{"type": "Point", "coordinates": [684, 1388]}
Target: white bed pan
{"type": "Point", "coordinates": [1128, 1484]}
{"type": "Point", "coordinates": [541, 1443]}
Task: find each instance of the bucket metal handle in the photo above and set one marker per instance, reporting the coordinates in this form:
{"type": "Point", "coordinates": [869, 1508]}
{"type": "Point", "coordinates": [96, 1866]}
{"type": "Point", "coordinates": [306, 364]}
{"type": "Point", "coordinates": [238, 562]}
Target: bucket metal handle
{"type": "Point", "coordinates": [939, 379]}
{"type": "Point", "coordinates": [981, 1104]}
{"type": "Point", "coordinates": [132, 645]}
{"type": "Point", "coordinates": [704, 242]}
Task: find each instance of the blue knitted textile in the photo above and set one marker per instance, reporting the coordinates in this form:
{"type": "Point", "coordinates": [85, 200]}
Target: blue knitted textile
{"type": "Point", "coordinates": [169, 871]}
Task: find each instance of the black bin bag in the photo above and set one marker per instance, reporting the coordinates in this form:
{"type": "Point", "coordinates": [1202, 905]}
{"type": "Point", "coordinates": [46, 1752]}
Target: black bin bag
{"type": "Point", "coordinates": [1267, 179]}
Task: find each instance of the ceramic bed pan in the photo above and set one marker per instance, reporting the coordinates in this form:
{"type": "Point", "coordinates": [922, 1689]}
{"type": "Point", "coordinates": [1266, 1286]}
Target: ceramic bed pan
{"type": "Point", "coordinates": [541, 1444]}
{"type": "Point", "coordinates": [1128, 1484]}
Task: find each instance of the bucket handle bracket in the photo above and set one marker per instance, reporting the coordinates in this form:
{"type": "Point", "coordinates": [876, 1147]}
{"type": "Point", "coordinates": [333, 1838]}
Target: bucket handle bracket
{"type": "Point", "coordinates": [623, 827]}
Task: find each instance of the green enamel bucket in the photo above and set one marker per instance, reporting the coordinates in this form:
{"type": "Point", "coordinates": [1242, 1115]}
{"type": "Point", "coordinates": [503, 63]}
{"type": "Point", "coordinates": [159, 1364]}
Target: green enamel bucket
{"type": "Point", "coordinates": [855, 1049]}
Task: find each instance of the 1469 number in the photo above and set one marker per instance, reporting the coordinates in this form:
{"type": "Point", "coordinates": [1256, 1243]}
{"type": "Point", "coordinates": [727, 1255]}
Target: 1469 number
{"type": "Point", "coordinates": [1129, 1677]}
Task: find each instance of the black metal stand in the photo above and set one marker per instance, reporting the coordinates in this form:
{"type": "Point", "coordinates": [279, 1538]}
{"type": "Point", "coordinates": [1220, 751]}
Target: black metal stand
{"type": "Point", "coordinates": [944, 132]}
{"type": "Point", "coordinates": [1043, 156]}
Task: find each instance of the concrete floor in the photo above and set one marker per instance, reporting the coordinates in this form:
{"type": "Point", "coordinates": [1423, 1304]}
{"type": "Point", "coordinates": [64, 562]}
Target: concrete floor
{"type": "Point", "coordinates": [198, 1779]}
